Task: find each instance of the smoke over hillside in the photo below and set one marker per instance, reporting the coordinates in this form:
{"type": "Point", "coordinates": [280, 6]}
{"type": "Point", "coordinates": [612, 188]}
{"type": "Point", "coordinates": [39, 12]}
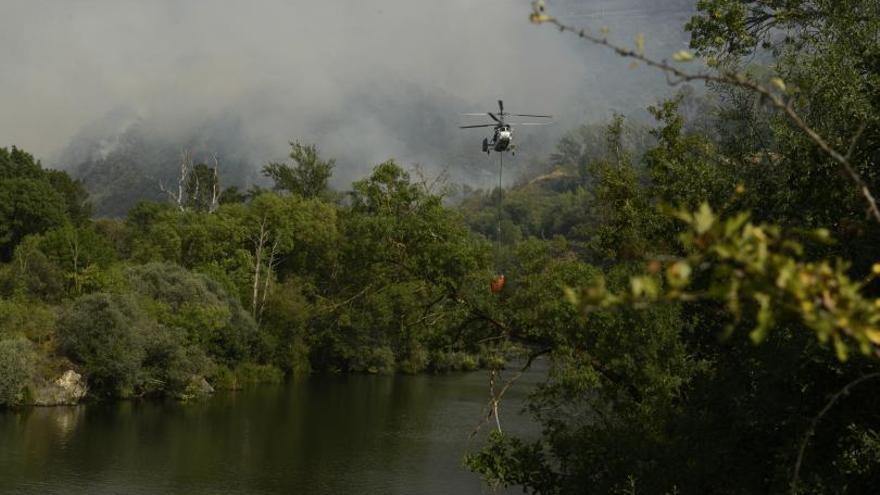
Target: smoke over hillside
{"type": "Point", "coordinates": [95, 84]}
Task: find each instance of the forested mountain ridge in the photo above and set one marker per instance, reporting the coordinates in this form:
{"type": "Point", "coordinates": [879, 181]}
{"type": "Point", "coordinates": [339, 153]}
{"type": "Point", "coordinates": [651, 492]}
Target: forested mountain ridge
{"type": "Point", "coordinates": [123, 159]}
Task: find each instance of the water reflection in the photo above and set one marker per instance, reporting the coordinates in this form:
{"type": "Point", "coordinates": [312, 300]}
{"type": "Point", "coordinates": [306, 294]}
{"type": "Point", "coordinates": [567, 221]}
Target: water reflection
{"type": "Point", "coordinates": [326, 434]}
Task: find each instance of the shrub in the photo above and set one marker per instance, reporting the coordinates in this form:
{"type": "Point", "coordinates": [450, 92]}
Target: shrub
{"type": "Point", "coordinates": [253, 373]}
{"type": "Point", "coordinates": [295, 359]}
{"type": "Point", "coordinates": [416, 360]}
{"type": "Point", "coordinates": [285, 320]}
{"type": "Point", "coordinates": [494, 357]}
{"type": "Point", "coordinates": [443, 362]}
{"type": "Point", "coordinates": [104, 334]}
{"type": "Point", "coordinates": [373, 360]}
{"type": "Point", "coordinates": [32, 274]}
{"type": "Point", "coordinates": [32, 319]}
{"type": "Point", "coordinates": [223, 378]}
{"type": "Point", "coordinates": [169, 364]}
{"type": "Point", "coordinates": [16, 366]}
{"type": "Point", "coordinates": [201, 309]}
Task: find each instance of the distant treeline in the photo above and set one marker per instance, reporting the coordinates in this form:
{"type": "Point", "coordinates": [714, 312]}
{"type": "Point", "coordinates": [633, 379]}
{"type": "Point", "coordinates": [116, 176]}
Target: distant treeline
{"type": "Point", "coordinates": [234, 287]}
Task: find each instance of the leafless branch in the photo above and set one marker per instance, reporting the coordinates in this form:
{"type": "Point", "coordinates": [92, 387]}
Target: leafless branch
{"type": "Point", "coordinates": [855, 141]}
{"type": "Point", "coordinates": [271, 263]}
{"type": "Point", "coordinates": [334, 306]}
{"type": "Point", "coordinates": [259, 245]}
{"type": "Point", "coordinates": [215, 189]}
{"type": "Point", "coordinates": [812, 429]}
{"type": "Point", "coordinates": [495, 399]}
{"type": "Point", "coordinates": [185, 168]}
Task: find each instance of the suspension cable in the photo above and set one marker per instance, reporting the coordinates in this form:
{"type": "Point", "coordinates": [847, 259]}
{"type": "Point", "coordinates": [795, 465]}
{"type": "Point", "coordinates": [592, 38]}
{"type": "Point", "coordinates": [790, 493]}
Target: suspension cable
{"type": "Point", "coordinates": [500, 199]}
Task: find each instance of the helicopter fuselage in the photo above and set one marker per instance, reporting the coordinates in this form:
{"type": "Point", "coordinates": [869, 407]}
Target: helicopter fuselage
{"type": "Point", "coordinates": [502, 137]}
{"type": "Point", "coordinates": [501, 140]}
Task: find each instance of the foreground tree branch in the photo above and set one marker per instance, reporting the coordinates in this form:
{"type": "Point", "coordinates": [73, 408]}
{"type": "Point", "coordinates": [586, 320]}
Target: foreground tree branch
{"type": "Point", "coordinates": [775, 97]}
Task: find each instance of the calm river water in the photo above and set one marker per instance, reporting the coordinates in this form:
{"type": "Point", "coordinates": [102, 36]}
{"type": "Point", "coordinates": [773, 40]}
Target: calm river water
{"type": "Point", "coordinates": [322, 435]}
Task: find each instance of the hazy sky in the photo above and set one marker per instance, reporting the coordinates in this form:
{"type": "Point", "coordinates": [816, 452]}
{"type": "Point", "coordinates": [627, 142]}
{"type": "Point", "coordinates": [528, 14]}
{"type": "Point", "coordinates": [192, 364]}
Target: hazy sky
{"type": "Point", "coordinates": [365, 79]}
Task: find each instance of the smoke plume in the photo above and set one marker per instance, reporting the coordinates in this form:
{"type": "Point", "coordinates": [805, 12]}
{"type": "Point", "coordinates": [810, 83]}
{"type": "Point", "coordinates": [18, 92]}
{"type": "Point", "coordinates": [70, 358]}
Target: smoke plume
{"type": "Point", "coordinates": [364, 80]}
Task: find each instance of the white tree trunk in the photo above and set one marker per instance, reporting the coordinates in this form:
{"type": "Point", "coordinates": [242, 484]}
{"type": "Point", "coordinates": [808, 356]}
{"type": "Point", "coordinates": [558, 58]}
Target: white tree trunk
{"type": "Point", "coordinates": [259, 244]}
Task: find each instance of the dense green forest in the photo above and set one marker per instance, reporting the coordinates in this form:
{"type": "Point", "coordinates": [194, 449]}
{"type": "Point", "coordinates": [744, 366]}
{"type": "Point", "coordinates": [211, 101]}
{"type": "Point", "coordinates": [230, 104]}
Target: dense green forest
{"type": "Point", "coordinates": [235, 287]}
{"type": "Point", "coordinates": [704, 287]}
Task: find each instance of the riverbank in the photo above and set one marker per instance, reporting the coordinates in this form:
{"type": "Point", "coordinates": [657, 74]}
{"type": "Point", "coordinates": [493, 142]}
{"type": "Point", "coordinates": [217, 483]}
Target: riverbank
{"type": "Point", "coordinates": [354, 433]}
{"type": "Point", "coordinates": [71, 388]}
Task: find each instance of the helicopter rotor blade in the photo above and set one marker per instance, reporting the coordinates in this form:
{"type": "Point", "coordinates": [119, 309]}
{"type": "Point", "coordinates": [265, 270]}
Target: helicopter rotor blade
{"type": "Point", "coordinates": [533, 123]}
{"type": "Point", "coordinates": [490, 114]}
{"type": "Point", "coordinates": [531, 115]}
{"type": "Point", "coordinates": [501, 106]}
{"type": "Point", "coordinates": [473, 126]}
{"type": "Point", "coordinates": [479, 114]}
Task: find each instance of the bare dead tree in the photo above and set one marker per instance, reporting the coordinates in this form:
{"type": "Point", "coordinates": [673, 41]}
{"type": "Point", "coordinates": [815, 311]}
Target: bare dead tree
{"type": "Point", "coordinates": [271, 263]}
{"type": "Point", "coordinates": [259, 245]}
{"type": "Point", "coordinates": [438, 184]}
{"type": "Point", "coordinates": [194, 189]}
{"type": "Point", "coordinates": [264, 267]}
{"type": "Point", "coordinates": [72, 239]}
{"type": "Point", "coordinates": [185, 169]}
{"type": "Point", "coordinates": [215, 187]}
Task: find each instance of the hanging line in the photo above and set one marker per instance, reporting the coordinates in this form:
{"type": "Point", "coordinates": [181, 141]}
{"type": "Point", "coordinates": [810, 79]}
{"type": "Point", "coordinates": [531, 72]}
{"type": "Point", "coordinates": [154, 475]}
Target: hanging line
{"type": "Point", "coordinates": [500, 199]}
{"type": "Point", "coordinates": [497, 283]}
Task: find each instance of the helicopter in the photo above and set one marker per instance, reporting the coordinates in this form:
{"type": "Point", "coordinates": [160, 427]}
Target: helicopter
{"type": "Point", "coordinates": [502, 137]}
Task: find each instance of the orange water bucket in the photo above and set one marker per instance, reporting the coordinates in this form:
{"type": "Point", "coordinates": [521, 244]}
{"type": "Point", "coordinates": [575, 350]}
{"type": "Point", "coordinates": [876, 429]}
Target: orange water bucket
{"type": "Point", "coordinates": [497, 284]}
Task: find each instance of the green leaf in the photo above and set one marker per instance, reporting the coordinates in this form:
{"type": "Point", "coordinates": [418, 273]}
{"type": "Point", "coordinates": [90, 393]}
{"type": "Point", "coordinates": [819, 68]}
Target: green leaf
{"type": "Point", "coordinates": [778, 83]}
{"type": "Point", "coordinates": [734, 224]}
{"type": "Point", "coordinates": [682, 56]}
{"type": "Point", "coordinates": [703, 218]}
{"type": "Point", "coordinates": [678, 274]}
{"type": "Point", "coordinates": [644, 286]}
{"type": "Point", "coordinates": [764, 318]}
{"type": "Point", "coordinates": [571, 296]}
{"type": "Point", "coordinates": [840, 349]}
